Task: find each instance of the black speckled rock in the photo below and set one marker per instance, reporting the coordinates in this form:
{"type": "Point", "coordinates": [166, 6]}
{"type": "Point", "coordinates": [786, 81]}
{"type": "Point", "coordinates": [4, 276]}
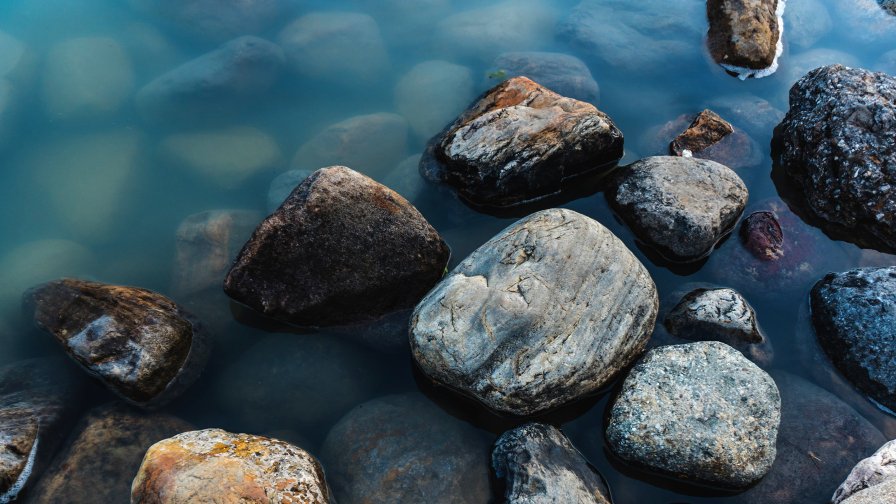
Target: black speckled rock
{"type": "Point", "coordinates": [541, 466]}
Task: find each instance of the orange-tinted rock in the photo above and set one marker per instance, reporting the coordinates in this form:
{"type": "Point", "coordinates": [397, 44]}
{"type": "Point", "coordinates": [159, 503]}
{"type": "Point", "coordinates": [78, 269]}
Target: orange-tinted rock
{"type": "Point", "coordinates": [705, 130]}
{"type": "Point", "coordinates": [743, 33]}
{"type": "Point", "coordinates": [735, 150]}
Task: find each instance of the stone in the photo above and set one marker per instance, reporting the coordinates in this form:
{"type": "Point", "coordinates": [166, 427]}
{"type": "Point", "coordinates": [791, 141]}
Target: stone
{"type": "Point", "coordinates": [544, 313]}
{"type": "Point", "coordinates": [405, 179]}
{"type": "Point", "coordinates": [402, 448]}
{"type": "Point", "coordinates": [138, 343]}
{"type": "Point", "coordinates": [706, 130]}
{"type": "Point", "coordinates": [283, 185]}
{"type": "Point", "coordinates": [226, 157]}
{"type": "Point", "coordinates": [483, 32]}
{"type": "Point", "coordinates": [836, 148]}
{"type": "Point", "coordinates": [408, 23]}
{"type": "Point", "coordinates": [884, 493]}
{"type": "Point", "coordinates": [86, 77]}
{"type": "Point", "coordinates": [800, 64]}
{"type": "Point", "coordinates": [745, 35]}
{"type": "Point", "coordinates": [754, 114]}
{"type": "Point", "coordinates": [215, 84]}
{"type": "Point", "coordinates": [241, 468]}
{"type": "Point", "coordinates": [806, 22]}
{"type": "Point", "coordinates": [888, 5]}
{"type": "Point", "coordinates": [681, 207]}
{"type": "Point", "coordinates": [432, 93]}
{"type": "Point", "coordinates": [559, 72]}
{"type": "Point", "coordinates": [103, 456]}
{"type": "Point", "coordinates": [206, 244]}
{"type": "Point", "coordinates": [864, 22]}
{"type": "Point", "coordinates": [341, 47]}
{"type": "Point", "coordinates": [216, 20]}
{"type": "Point", "coordinates": [519, 143]}
{"type": "Point", "coordinates": [376, 142]}
{"type": "Point", "coordinates": [540, 465]}
{"type": "Point", "coordinates": [341, 249]}
{"type": "Point", "coordinates": [869, 472]}
{"type": "Point", "coordinates": [700, 412]}
{"type": "Point", "coordinates": [762, 235]}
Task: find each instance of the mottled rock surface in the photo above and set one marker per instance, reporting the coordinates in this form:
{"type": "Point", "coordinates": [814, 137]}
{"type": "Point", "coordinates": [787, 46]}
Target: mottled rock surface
{"type": "Point", "coordinates": [883, 493]}
{"type": "Point", "coordinates": [432, 93]}
{"type": "Point", "coordinates": [562, 73]}
{"type": "Point", "coordinates": [213, 465]}
{"type": "Point", "coordinates": [341, 249]}
{"type": "Point", "coordinates": [541, 466]}
{"type": "Point", "coordinates": [679, 206]}
{"type": "Point", "coordinates": [546, 312]}
{"type": "Point", "coordinates": [376, 142]}
{"type": "Point", "coordinates": [700, 412]}
{"type": "Point", "coordinates": [874, 470]}
{"type": "Point", "coordinates": [744, 33]}
{"type": "Point", "coordinates": [762, 235]}
{"type": "Point", "coordinates": [706, 130]}
{"type": "Point", "coordinates": [519, 143]}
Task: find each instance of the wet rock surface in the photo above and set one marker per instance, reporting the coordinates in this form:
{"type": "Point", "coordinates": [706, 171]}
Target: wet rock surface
{"type": "Point", "coordinates": [241, 468]}
{"type": "Point", "coordinates": [699, 412]}
{"type": "Point", "coordinates": [679, 206]}
{"type": "Point", "coordinates": [706, 130]}
{"type": "Point", "coordinates": [517, 325]}
{"type": "Point", "coordinates": [140, 344]}
{"type": "Point", "coordinates": [564, 74]}
{"type": "Point", "coordinates": [762, 235]}
{"type": "Point", "coordinates": [376, 142]}
{"type": "Point", "coordinates": [540, 465]}
{"type": "Point", "coordinates": [705, 137]}
{"type": "Point", "coordinates": [519, 143]}
{"type": "Point", "coordinates": [874, 470]}
{"type": "Point", "coordinates": [743, 33]}
{"type": "Point", "coordinates": [372, 254]}
{"type": "Point", "coordinates": [836, 146]}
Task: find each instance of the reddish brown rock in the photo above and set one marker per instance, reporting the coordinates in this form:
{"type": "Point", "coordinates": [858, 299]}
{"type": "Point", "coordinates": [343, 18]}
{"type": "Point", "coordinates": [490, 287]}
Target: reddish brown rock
{"type": "Point", "coordinates": [736, 150]}
{"type": "Point", "coordinates": [762, 235]}
{"type": "Point", "coordinates": [743, 33]}
{"type": "Point", "coordinates": [706, 130]}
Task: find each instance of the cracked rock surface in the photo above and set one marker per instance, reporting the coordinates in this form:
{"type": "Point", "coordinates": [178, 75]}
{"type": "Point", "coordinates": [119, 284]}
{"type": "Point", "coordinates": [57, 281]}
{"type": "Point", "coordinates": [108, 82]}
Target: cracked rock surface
{"type": "Point", "coordinates": [872, 471]}
{"type": "Point", "coordinates": [542, 314]}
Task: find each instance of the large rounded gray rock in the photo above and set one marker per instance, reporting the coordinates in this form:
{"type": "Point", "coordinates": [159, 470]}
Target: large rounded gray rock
{"type": "Point", "coordinates": [700, 412]}
{"type": "Point", "coordinates": [874, 470]}
{"type": "Point", "coordinates": [562, 73]}
{"type": "Point", "coordinates": [541, 466]}
{"type": "Point", "coordinates": [544, 313]}
{"type": "Point", "coordinates": [680, 206]}
{"type": "Point", "coordinates": [432, 93]}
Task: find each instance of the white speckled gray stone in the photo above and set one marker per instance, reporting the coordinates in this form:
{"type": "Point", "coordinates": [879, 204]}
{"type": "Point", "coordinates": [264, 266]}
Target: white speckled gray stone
{"type": "Point", "coordinates": [872, 471]}
{"type": "Point", "coordinates": [884, 493]}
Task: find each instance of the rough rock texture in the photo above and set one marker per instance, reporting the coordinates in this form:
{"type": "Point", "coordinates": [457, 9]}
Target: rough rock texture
{"type": "Point", "coordinates": [282, 186]}
{"type": "Point", "coordinates": [706, 130]}
{"type": "Point", "coordinates": [433, 93]}
{"type": "Point", "coordinates": [541, 466]}
{"type": "Point", "coordinates": [542, 314]}
{"type": "Point", "coordinates": [216, 20]}
{"type": "Point", "coordinates": [402, 448]}
{"type": "Point", "coordinates": [837, 146]}
{"type": "Point", "coordinates": [341, 249]}
{"type": "Point", "coordinates": [376, 142]}
{"type": "Point", "coordinates": [518, 143]}
{"type": "Point", "coordinates": [139, 343]}
{"type": "Point", "coordinates": [680, 206]}
{"type": "Point", "coordinates": [854, 315]}
{"type": "Point", "coordinates": [213, 465]}
{"type": "Point", "coordinates": [700, 412]}
{"type": "Point", "coordinates": [871, 471]}
{"type": "Point", "coordinates": [562, 73]}
{"type": "Point", "coordinates": [743, 33]}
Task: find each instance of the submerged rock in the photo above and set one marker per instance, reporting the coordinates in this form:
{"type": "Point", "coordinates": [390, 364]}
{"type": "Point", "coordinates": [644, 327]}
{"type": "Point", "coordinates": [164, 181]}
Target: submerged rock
{"type": "Point", "coordinates": [216, 20]}
{"type": "Point", "coordinates": [806, 22]}
{"type": "Point", "coordinates": [376, 142]}
{"type": "Point", "coordinates": [755, 115]}
{"type": "Point", "coordinates": [872, 471]}
{"type": "Point", "coordinates": [405, 179]}
{"type": "Point", "coordinates": [542, 466]}
{"type": "Point", "coordinates": [705, 136]}
{"type": "Point", "coordinates": [516, 324]}
{"type": "Point", "coordinates": [283, 185]}
{"type": "Point", "coordinates": [341, 249]}
{"type": "Point", "coordinates": [482, 32]}
{"type": "Point", "coordinates": [700, 412]}
{"type": "Point", "coordinates": [562, 73]}
{"type": "Point", "coordinates": [432, 93]}
{"type": "Point", "coordinates": [213, 465]}
{"type": "Point", "coordinates": [745, 35]}
{"type": "Point", "coordinates": [762, 235]}
{"type": "Point", "coordinates": [706, 130]}
{"type": "Point", "coordinates": [140, 344]}
{"type": "Point", "coordinates": [519, 143]}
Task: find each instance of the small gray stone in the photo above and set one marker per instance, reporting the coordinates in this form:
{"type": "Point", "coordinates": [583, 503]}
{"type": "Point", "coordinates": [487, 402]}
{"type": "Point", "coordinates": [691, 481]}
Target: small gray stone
{"type": "Point", "coordinates": [562, 73]}
{"type": "Point", "coordinates": [883, 493]}
{"type": "Point", "coordinates": [700, 412]}
{"type": "Point", "coordinates": [870, 472]}
{"type": "Point", "coordinates": [283, 185]}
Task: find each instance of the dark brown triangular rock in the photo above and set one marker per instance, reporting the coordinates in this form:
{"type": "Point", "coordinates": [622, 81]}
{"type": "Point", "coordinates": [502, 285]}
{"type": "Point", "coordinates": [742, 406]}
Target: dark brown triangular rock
{"type": "Point", "coordinates": [707, 129]}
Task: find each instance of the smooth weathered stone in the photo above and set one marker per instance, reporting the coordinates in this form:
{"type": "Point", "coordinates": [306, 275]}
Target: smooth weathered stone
{"type": "Point", "coordinates": [562, 73]}
{"type": "Point", "coordinates": [216, 20]}
{"type": "Point", "coordinates": [402, 448]}
{"type": "Point", "coordinates": [870, 472]}
{"type": "Point", "coordinates": [544, 313]}
{"type": "Point", "coordinates": [519, 143]}
{"type": "Point", "coordinates": [432, 93]}
{"type": "Point", "coordinates": [679, 206]}
{"type": "Point", "coordinates": [883, 493]}
{"type": "Point", "coordinates": [836, 146]}
{"type": "Point", "coordinates": [541, 466]}
{"type": "Point", "coordinates": [341, 249]}
{"type": "Point", "coordinates": [140, 344]}
{"type": "Point", "coordinates": [700, 412]}
{"type": "Point", "coordinates": [744, 35]}
{"type": "Point", "coordinates": [706, 130]}
{"type": "Point", "coordinates": [806, 21]}
{"type": "Point", "coordinates": [213, 465]}
{"type": "Point", "coordinates": [376, 142]}
{"type": "Point", "coordinates": [283, 185]}
{"type": "Point", "coordinates": [482, 32]}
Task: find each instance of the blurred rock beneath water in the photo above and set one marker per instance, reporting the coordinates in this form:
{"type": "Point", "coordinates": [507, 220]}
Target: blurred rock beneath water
{"type": "Point", "coordinates": [806, 22]}
{"type": "Point", "coordinates": [864, 22]}
{"type": "Point", "coordinates": [216, 20]}
{"type": "Point", "coordinates": [283, 185]}
{"type": "Point", "coordinates": [755, 115]}
{"type": "Point", "coordinates": [17, 69]}
{"type": "Point", "coordinates": [872, 471]}
{"type": "Point", "coordinates": [408, 24]}
{"type": "Point", "coordinates": [562, 73]}
{"type": "Point", "coordinates": [433, 93]}
{"type": "Point", "coordinates": [736, 150]}
{"type": "Point", "coordinates": [405, 179]}
{"type": "Point", "coordinates": [887, 63]}
{"type": "Point", "coordinates": [153, 50]}
{"type": "Point", "coordinates": [800, 64]}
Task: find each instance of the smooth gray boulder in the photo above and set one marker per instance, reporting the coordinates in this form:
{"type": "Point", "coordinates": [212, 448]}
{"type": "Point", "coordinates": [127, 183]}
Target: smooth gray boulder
{"type": "Point", "coordinates": [432, 93]}
{"type": "Point", "coordinates": [872, 471]}
{"type": "Point", "coordinates": [700, 412]}
{"type": "Point", "coordinates": [563, 73]}
{"type": "Point", "coordinates": [544, 313]}
{"type": "Point", "coordinates": [883, 493]}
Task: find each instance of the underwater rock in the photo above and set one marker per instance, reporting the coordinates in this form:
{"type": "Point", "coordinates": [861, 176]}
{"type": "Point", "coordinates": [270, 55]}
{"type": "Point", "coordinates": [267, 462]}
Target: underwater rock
{"type": "Point", "coordinates": [483, 32]}
{"type": "Point", "coordinates": [408, 24]}
{"type": "Point", "coordinates": [755, 115]}
{"type": "Point", "coordinates": [700, 412]}
{"type": "Point", "coordinates": [216, 20]}
{"type": "Point", "coordinates": [519, 143]}
{"type": "Point", "coordinates": [679, 206]}
{"type": "Point", "coordinates": [562, 73]}
{"type": "Point", "coordinates": [762, 235]}
{"type": "Point", "coordinates": [138, 343]}
{"type": "Point", "coordinates": [341, 249]}
{"type": "Point", "coordinates": [402, 448]}
{"type": "Point", "coordinates": [541, 466]}
{"type": "Point", "coordinates": [806, 22]}
{"type": "Point", "coordinates": [887, 62]}
{"type": "Point", "coordinates": [745, 35]}
{"type": "Point", "coordinates": [283, 185]}
{"type": "Point", "coordinates": [405, 179]}
{"type": "Point", "coordinates": [706, 130]}
{"type": "Point", "coordinates": [864, 22]}
{"type": "Point", "coordinates": [17, 68]}
{"type": "Point", "coordinates": [433, 93]}
{"type": "Point", "coordinates": [870, 472]}
{"type": "Point", "coordinates": [213, 465]}
{"type": "Point", "coordinates": [516, 324]}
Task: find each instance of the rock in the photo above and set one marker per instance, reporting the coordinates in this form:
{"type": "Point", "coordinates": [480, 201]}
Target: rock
{"type": "Point", "coordinates": [837, 149]}
{"type": "Point", "coordinates": [864, 22]}
{"type": "Point", "coordinates": [341, 47]}
{"type": "Point", "coordinates": [754, 114]}
{"type": "Point", "coordinates": [516, 324]}
{"type": "Point", "coordinates": [884, 493]}
{"type": "Point", "coordinates": [140, 344]}
{"type": "Point", "coordinates": [103, 456]}
{"type": "Point", "coordinates": [16, 60]}
{"type": "Point", "coordinates": [432, 93]}
{"type": "Point", "coordinates": [542, 466]}
{"type": "Point", "coordinates": [206, 245]}
{"type": "Point", "coordinates": [562, 73]}
{"type": "Point", "coordinates": [706, 130]}
{"type": "Point", "coordinates": [806, 22]}
{"type": "Point", "coordinates": [679, 206]}
{"type": "Point", "coordinates": [86, 77]}
{"type": "Point", "coordinates": [762, 235]}
{"type": "Point", "coordinates": [214, 84]}
{"type": "Point", "coordinates": [700, 412]}
{"type": "Point", "coordinates": [216, 20]}
{"type": "Point", "coordinates": [283, 185]}
{"type": "Point", "coordinates": [376, 142]}
{"type": "Point", "coordinates": [226, 157]}
{"type": "Point", "coordinates": [408, 23]}
{"type": "Point", "coordinates": [341, 249]}
{"type": "Point", "coordinates": [888, 5]}
{"type": "Point", "coordinates": [483, 32]}
{"type": "Point", "coordinates": [745, 35]}
{"type": "Point", "coordinates": [887, 62]}
{"type": "Point", "coordinates": [405, 179]}
{"type": "Point", "coordinates": [151, 47]}
{"type": "Point", "coordinates": [870, 472]}
{"type": "Point", "coordinates": [800, 64]}
{"type": "Point", "coordinates": [402, 448]}
{"type": "Point", "coordinates": [519, 143]}
{"type": "Point", "coordinates": [242, 468]}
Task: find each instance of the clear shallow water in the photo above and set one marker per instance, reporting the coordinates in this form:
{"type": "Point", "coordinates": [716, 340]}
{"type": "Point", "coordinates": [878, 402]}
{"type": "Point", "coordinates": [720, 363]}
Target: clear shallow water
{"type": "Point", "coordinates": [99, 196]}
